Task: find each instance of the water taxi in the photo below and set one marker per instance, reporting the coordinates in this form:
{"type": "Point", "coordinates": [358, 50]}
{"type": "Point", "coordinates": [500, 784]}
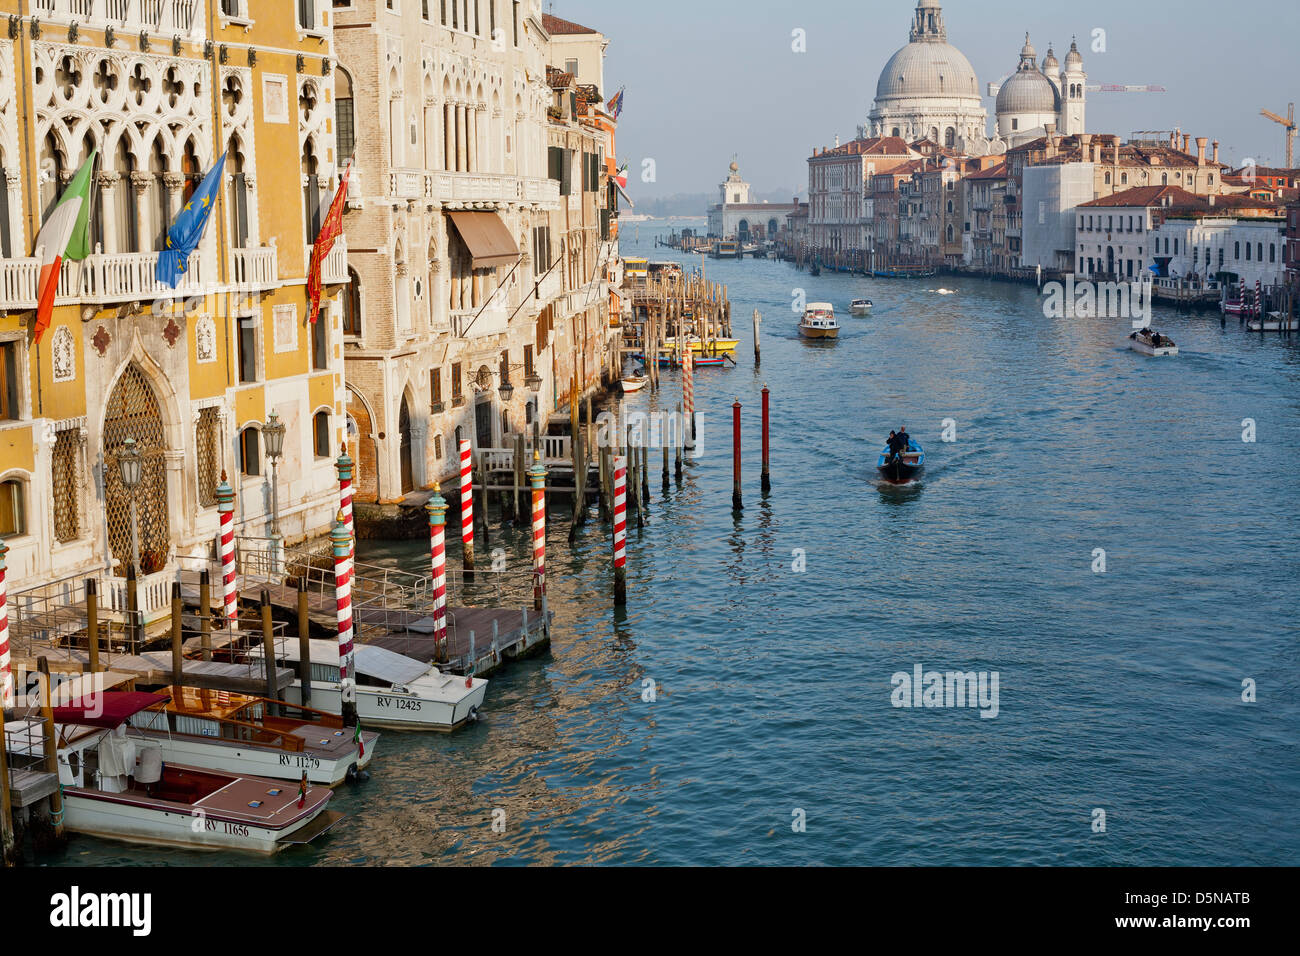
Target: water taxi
{"type": "Point", "coordinates": [120, 787]}
{"type": "Point", "coordinates": [393, 692]}
{"type": "Point", "coordinates": [860, 307]}
{"type": "Point", "coordinates": [1152, 343]}
{"type": "Point", "coordinates": [819, 322]}
{"type": "Point", "coordinates": [900, 469]}
{"type": "Point", "coordinates": [216, 730]}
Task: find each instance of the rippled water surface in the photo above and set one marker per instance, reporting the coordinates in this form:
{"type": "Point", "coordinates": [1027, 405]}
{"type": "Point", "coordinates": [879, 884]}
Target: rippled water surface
{"type": "Point", "coordinates": [1119, 691]}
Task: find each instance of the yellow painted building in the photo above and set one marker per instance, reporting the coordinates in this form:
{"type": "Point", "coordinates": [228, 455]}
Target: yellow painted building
{"type": "Point", "coordinates": [192, 375]}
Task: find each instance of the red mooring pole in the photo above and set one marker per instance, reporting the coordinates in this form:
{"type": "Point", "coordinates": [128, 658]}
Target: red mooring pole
{"type": "Point", "coordinates": [767, 477]}
{"type": "Point", "coordinates": [736, 504]}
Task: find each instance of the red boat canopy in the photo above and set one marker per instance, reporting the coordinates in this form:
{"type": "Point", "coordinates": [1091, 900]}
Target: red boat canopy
{"type": "Point", "coordinates": [106, 709]}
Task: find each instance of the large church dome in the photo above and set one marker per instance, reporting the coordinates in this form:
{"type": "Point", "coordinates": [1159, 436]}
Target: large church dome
{"type": "Point", "coordinates": [927, 68]}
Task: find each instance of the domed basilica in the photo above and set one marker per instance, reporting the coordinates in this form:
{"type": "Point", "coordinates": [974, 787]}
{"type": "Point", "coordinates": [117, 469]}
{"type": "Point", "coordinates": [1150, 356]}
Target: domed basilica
{"type": "Point", "coordinates": [928, 90]}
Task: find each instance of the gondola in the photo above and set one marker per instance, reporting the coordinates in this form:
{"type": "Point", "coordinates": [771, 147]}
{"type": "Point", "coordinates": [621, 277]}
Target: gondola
{"type": "Point", "coordinates": [903, 468]}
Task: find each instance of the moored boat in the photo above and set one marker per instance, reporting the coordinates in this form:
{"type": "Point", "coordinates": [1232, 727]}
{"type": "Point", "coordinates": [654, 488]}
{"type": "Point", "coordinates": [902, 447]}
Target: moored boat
{"type": "Point", "coordinates": [634, 383]}
{"type": "Point", "coordinates": [900, 469]}
{"type": "Point", "coordinates": [393, 692]}
{"type": "Point", "coordinates": [1152, 343]}
{"type": "Point", "coordinates": [710, 347]}
{"type": "Point", "coordinates": [819, 322]}
{"type": "Point", "coordinates": [118, 787]}
{"type": "Point", "coordinates": [1273, 323]}
{"type": "Point", "coordinates": [216, 730]}
{"type": "Point", "coordinates": [860, 307]}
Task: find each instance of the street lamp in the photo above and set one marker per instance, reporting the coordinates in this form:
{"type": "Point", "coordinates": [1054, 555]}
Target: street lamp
{"type": "Point", "coordinates": [506, 390]}
{"type": "Point", "coordinates": [131, 469]}
{"type": "Point", "coordinates": [273, 435]}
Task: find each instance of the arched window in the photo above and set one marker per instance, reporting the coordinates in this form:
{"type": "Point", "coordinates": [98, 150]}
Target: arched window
{"type": "Point", "coordinates": [950, 234]}
{"type": "Point", "coordinates": [950, 137]}
{"type": "Point", "coordinates": [345, 122]}
{"type": "Point", "coordinates": [311, 192]}
{"type": "Point", "coordinates": [207, 449]}
{"type": "Point", "coordinates": [250, 452]}
{"type": "Point", "coordinates": [51, 161]}
{"type": "Point", "coordinates": [1108, 179]}
{"type": "Point", "coordinates": [1272, 253]}
{"type": "Point", "coordinates": [320, 432]}
{"type": "Point", "coordinates": [352, 305]}
{"type": "Point", "coordinates": [13, 508]}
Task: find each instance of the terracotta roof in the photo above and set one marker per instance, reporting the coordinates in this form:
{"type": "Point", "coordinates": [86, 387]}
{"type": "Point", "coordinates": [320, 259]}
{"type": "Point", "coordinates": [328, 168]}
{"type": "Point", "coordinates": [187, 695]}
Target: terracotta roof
{"type": "Point", "coordinates": [875, 146]}
{"type": "Point", "coordinates": [557, 27]}
{"type": "Point", "coordinates": [994, 172]}
{"type": "Point", "coordinates": [1144, 196]}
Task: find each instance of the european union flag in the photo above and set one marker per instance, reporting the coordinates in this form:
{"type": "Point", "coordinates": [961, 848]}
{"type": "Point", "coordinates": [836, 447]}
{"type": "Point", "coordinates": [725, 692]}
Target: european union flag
{"type": "Point", "coordinates": [184, 235]}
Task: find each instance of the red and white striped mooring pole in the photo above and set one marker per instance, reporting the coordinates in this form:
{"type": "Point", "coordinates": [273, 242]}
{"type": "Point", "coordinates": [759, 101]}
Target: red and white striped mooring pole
{"type": "Point", "coordinates": [537, 478]}
{"type": "Point", "coordinates": [342, 542]}
{"type": "Point", "coordinates": [467, 508]}
{"type": "Point", "coordinates": [688, 392]}
{"type": "Point", "coordinates": [344, 467]}
{"type": "Point", "coordinates": [6, 667]}
{"type": "Point", "coordinates": [437, 511]}
{"type": "Point", "coordinates": [620, 531]}
{"type": "Point", "coordinates": [229, 585]}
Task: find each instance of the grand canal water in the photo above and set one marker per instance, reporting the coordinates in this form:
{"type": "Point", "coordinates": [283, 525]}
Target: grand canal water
{"type": "Point", "coordinates": [1119, 691]}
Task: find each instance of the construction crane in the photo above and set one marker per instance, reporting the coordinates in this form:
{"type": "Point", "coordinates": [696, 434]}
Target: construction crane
{"type": "Point", "coordinates": [996, 86]}
{"type": "Point", "coordinates": [1289, 123]}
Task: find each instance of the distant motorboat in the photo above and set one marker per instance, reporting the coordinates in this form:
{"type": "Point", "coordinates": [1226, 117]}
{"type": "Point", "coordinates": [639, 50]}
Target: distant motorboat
{"type": "Point", "coordinates": [860, 307]}
{"type": "Point", "coordinates": [1151, 343]}
{"type": "Point", "coordinates": [944, 292]}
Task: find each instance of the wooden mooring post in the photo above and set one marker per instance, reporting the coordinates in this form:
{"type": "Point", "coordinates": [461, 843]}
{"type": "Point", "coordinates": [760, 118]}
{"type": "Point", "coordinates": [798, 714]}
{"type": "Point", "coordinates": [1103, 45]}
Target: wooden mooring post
{"type": "Point", "coordinates": [205, 614]}
{"type": "Point", "coordinates": [767, 476]}
{"type": "Point", "coordinates": [758, 351]}
{"type": "Point", "coordinates": [8, 852]}
{"type": "Point", "coordinates": [178, 636]}
{"type": "Point", "coordinates": [736, 502]}
{"type": "Point", "coordinates": [92, 625]}
{"type": "Point", "coordinates": [50, 747]}
{"type": "Point", "coordinates": [304, 640]}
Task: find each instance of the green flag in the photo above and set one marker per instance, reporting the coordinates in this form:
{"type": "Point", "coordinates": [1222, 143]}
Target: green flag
{"type": "Point", "coordinates": [79, 246]}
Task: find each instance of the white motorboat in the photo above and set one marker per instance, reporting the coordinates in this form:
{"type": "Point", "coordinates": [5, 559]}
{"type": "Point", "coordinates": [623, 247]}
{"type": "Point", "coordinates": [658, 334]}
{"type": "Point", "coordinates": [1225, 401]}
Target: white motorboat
{"type": "Point", "coordinates": [819, 322]}
{"type": "Point", "coordinates": [233, 732]}
{"type": "Point", "coordinates": [117, 786]}
{"type": "Point", "coordinates": [393, 692]}
{"type": "Point", "coordinates": [1152, 343]}
{"type": "Point", "coordinates": [860, 307]}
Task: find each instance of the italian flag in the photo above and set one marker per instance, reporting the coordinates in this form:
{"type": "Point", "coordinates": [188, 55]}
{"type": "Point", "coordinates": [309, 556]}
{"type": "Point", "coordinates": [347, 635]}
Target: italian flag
{"type": "Point", "coordinates": [65, 235]}
{"type": "Point", "coordinates": [302, 791]}
{"type": "Point", "coordinates": [361, 747]}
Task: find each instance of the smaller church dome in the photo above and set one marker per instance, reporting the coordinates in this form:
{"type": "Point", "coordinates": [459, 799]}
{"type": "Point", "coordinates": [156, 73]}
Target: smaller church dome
{"type": "Point", "coordinates": [1051, 65]}
{"type": "Point", "coordinates": [1028, 91]}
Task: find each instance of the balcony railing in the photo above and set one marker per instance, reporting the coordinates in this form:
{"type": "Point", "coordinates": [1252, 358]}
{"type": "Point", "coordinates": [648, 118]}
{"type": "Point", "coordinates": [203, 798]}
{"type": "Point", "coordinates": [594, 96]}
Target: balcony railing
{"type": "Point", "coordinates": [255, 268]}
{"type": "Point", "coordinates": [167, 17]}
{"type": "Point", "coordinates": [493, 188]}
{"type": "Point", "coordinates": [334, 270]}
{"type": "Point", "coordinates": [18, 278]}
{"type": "Point", "coordinates": [409, 184]}
{"type": "Point", "coordinates": [125, 277]}
{"type": "Point", "coordinates": [477, 324]}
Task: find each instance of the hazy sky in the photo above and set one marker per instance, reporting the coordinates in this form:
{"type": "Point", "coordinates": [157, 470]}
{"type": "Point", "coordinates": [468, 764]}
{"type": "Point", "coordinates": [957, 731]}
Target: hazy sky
{"type": "Point", "coordinates": [709, 78]}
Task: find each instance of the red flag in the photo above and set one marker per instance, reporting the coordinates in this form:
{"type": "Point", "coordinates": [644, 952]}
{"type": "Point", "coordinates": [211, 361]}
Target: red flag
{"type": "Point", "coordinates": [330, 230]}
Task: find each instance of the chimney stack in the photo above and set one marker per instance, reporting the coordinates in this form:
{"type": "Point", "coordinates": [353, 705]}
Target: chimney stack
{"type": "Point", "coordinates": [1187, 143]}
{"type": "Point", "coordinates": [1216, 151]}
{"type": "Point", "coordinates": [1200, 149]}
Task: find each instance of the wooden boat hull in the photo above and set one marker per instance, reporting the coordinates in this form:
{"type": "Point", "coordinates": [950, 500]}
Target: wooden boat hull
{"type": "Point", "coordinates": [818, 333]}
{"type": "Point", "coordinates": [252, 760]}
{"type": "Point", "coordinates": [1272, 325]}
{"type": "Point", "coordinates": [634, 384]}
{"type": "Point", "coordinates": [125, 816]}
{"type": "Point", "coordinates": [391, 710]}
{"type": "Point", "coordinates": [860, 310]}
